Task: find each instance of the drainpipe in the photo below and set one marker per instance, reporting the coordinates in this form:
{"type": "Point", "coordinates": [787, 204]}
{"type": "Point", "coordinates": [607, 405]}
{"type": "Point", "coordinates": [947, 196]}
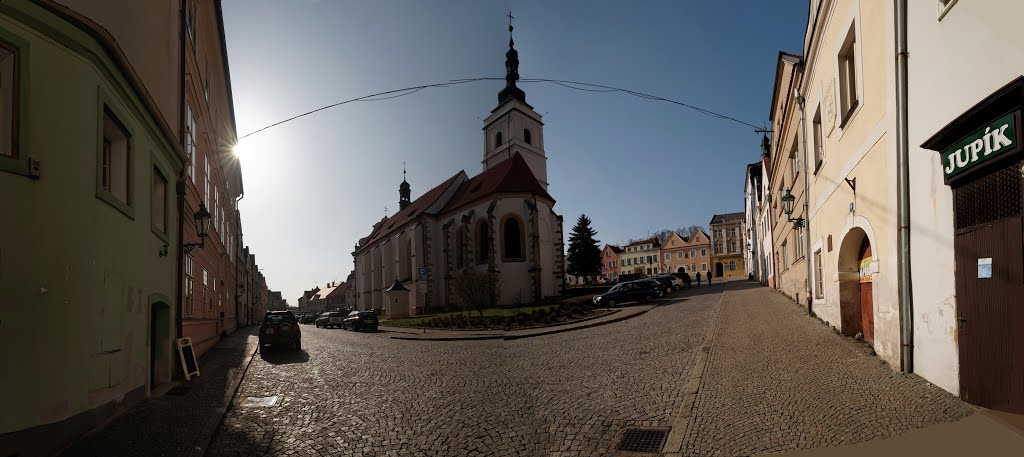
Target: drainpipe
{"type": "Point", "coordinates": [903, 190]}
{"type": "Point", "coordinates": [180, 185]}
{"type": "Point", "coordinates": [807, 193]}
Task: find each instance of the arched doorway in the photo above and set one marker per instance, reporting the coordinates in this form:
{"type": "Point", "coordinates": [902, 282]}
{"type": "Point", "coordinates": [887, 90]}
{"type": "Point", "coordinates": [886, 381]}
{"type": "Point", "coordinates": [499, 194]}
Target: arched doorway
{"type": "Point", "coordinates": [719, 269]}
{"type": "Point", "coordinates": [856, 281]}
{"type": "Point", "coordinates": [681, 270]}
{"type": "Point", "coordinates": [159, 344]}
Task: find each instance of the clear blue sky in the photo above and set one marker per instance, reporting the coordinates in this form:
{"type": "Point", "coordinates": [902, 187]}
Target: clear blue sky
{"type": "Point", "coordinates": [314, 186]}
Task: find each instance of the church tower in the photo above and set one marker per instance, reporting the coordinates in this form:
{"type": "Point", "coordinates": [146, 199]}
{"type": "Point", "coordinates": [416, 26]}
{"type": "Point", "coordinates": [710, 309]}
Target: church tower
{"type": "Point", "coordinates": [404, 192]}
{"type": "Point", "coordinates": [513, 125]}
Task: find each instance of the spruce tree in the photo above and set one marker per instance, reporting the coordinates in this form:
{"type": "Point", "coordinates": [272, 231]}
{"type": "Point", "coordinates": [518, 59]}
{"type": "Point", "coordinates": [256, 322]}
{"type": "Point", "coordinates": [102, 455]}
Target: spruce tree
{"type": "Point", "coordinates": [584, 253]}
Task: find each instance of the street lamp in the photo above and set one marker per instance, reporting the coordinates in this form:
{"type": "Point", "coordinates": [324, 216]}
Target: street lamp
{"type": "Point", "coordinates": [787, 207]}
{"type": "Point", "coordinates": [202, 218]}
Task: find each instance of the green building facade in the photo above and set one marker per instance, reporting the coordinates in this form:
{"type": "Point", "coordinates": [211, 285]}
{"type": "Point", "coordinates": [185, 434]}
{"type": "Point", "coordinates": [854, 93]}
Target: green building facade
{"type": "Point", "coordinates": [89, 231]}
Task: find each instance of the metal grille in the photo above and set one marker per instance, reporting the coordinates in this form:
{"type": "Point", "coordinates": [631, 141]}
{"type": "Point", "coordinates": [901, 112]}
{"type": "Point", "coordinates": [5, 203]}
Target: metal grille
{"type": "Point", "coordinates": [990, 197]}
{"type": "Point", "coordinates": [649, 440]}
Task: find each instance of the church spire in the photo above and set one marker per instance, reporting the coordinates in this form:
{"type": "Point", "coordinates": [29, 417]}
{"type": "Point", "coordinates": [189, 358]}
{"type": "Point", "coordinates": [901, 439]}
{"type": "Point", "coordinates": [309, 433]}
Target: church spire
{"type": "Point", "coordinates": [511, 70]}
{"type": "Point", "coordinates": [404, 191]}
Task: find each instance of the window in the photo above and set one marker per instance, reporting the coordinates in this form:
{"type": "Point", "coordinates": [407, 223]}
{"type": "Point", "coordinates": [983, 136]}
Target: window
{"type": "Point", "coordinates": [460, 248]}
{"type": "Point", "coordinates": [613, 264]}
{"type": "Point", "coordinates": [206, 81]}
{"type": "Point", "coordinates": [206, 186]}
{"type": "Point", "coordinates": [668, 256]}
{"type": "Point", "coordinates": [206, 284]}
{"type": "Point", "coordinates": [704, 252]}
{"type": "Point", "coordinates": [483, 242]}
{"type": "Point", "coordinates": [213, 209]}
{"type": "Point", "coordinates": [188, 285]}
{"type": "Point", "coordinates": [215, 296]}
{"type": "Point", "coordinates": [497, 140]}
{"type": "Point", "coordinates": [679, 255]}
{"type": "Point", "coordinates": [799, 248]}
{"type": "Point", "coordinates": [116, 176]}
{"type": "Point", "coordinates": [703, 266]}
{"type": "Point", "coordinates": [190, 141]}
{"type": "Point", "coordinates": [732, 265]}
{"type": "Point", "coordinates": [848, 76]}
{"type": "Point", "coordinates": [784, 256]}
{"type": "Point", "coordinates": [819, 148]}
{"type": "Point", "coordinates": [9, 91]}
{"type": "Point", "coordinates": [158, 209]}
{"type": "Point", "coordinates": [794, 162]}
{"type": "Point", "coordinates": [513, 245]}
{"type": "Point", "coordinates": [527, 136]}
{"type": "Point", "coordinates": [818, 290]}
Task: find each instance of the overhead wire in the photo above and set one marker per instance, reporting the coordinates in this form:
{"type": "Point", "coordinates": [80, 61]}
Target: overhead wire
{"type": "Point", "coordinates": [575, 85]}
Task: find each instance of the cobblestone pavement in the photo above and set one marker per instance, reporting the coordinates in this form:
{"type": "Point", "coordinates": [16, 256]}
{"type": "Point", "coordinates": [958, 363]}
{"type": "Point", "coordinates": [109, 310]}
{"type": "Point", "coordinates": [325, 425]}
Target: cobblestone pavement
{"type": "Point", "coordinates": [779, 380]}
{"type": "Point", "coordinates": [352, 393]}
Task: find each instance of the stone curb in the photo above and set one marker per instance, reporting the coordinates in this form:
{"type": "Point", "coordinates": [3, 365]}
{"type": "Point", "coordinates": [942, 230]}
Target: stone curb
{"type": "Point", "coordinates": [529, 335]}
{"type": "Point", "coordinates": [205, 437]}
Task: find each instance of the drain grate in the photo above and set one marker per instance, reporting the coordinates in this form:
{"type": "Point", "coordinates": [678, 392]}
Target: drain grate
{"type": "Point", "coordinates": [177, 391]}
{"type": "Point", "coordinates": [647, 440]}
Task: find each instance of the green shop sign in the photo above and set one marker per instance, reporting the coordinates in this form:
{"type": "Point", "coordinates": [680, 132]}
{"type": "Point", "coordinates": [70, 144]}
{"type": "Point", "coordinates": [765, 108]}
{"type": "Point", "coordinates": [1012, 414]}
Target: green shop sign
{"type": "Point", "coordinates": [992, 140]}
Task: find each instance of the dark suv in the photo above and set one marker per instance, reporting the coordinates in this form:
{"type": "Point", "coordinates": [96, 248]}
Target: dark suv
{"type": "Point", "coordinates": [280, 328]}
{"type": "Point", "coordinates": [360, 320]}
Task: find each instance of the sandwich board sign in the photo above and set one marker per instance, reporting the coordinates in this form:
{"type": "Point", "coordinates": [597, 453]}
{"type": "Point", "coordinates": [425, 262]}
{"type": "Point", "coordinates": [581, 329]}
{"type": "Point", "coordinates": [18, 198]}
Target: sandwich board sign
{"type": "Point", "coordinates": [188, 358]}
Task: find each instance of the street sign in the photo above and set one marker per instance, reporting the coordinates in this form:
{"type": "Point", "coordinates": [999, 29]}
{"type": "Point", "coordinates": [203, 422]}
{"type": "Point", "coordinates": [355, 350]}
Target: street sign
{"type": "Point", "coordinates": [423, 272]}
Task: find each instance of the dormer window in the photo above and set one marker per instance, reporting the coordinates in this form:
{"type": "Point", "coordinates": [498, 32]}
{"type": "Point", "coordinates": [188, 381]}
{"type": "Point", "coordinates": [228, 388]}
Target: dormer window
{"type": "Point", "coordinates": [527, 136]}
{"type": "Point", "coordinates": [497, 139]}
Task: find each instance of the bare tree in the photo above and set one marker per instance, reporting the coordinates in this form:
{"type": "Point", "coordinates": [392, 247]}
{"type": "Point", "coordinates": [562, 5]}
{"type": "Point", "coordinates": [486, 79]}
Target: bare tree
{"type": "Point", "coordinates": [477, 290]}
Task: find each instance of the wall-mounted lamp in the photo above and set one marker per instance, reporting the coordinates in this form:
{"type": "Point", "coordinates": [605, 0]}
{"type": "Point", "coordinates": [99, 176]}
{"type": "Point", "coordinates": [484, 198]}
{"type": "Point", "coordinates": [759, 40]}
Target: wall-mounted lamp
{"type": "Point", "coordinates": [202, 218]}
{"type": "Point", "coordinates": [787, 207]}
{"type": "Point", "coordinates": [163, 251]}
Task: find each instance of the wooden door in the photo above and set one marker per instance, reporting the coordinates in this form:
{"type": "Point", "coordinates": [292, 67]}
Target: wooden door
{"type": "Point", "coordinates": [989, 251]}
{"type": "Point", "coordinates": [867, 309]}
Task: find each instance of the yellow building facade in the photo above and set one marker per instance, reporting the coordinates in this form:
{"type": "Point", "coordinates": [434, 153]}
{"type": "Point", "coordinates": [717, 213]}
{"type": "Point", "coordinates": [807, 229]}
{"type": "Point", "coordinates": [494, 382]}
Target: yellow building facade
{"type": "Point", "coordinates": [727, 243]}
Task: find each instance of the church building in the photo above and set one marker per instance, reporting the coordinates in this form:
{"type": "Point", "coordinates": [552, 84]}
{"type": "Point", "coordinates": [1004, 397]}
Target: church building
{"type": "Point", "coordinates": [501, 220]}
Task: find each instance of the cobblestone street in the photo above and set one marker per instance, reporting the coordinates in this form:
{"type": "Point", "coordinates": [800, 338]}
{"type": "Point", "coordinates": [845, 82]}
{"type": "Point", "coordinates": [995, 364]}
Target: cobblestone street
{"type": "Point", "coordinates": [775, 380]}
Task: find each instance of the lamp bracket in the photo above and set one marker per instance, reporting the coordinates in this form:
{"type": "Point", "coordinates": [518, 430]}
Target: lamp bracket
{"type": "Point", "coordinates": [852, 183]}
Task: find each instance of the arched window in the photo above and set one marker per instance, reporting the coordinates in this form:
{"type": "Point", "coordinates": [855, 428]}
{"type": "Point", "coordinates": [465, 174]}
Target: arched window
{"type": "Point", "coordinates": [460, 250]}
{"type": "Point", "coordinates": [497, 139]}
{"type": "Point", "coordinates": [483, 242]}
{"type": "Point", "coordinates": [527, 136]}
{"type": "Point", "coordinates": [512, 239]}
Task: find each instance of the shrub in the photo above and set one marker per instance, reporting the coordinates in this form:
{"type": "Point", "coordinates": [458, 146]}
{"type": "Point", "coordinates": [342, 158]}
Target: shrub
{"type": "Point", "coordinates": [477, 290]}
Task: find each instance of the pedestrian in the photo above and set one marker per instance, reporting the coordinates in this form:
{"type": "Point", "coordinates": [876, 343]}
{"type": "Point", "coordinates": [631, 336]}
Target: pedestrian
{"type": "Point", "coordinates": [686, 279]}
{"type": "Point", "coordinates": [709, 277]}
{"type": "Point", "coordinates": [698, 279]}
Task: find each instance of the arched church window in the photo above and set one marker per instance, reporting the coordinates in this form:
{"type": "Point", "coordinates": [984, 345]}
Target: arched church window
{"type": "Point", "coordinates": [497, 139]}
{"type": "Point", "coordinates": [512, 239]}
{"type": "Point", "coordinates": [527, 136]}
{"type": "Point", "coordinates": [483, 242]}
{"type": "Point", "coordinates": [460, 249]}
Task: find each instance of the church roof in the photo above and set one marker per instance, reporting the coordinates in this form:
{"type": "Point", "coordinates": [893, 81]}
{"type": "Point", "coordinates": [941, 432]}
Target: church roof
{"type": "Point", "coordinates": [410, 212]}
{"type": "Point", "coordinates": [509, 176]}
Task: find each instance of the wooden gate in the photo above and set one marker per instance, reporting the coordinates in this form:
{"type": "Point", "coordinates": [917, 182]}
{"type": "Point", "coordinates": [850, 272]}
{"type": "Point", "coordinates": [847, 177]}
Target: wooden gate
{"type": "Point", "coordinates": [989, 250]}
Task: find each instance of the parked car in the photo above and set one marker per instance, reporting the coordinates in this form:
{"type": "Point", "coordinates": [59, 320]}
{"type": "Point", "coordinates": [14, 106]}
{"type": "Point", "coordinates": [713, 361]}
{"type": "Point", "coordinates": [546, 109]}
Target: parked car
{"type": "Point", "coordinates": [279, 328]}
{"type": "Point", "coordinates": [308, 318]}
{"type": "Point", "coordinates": [669, 281]}
{"type": "Point", "coordinates": [330, 319]}
{"type": "Point", "coordinates": [630, 291]}
{"type": "Point", "coordinates": [361, 320]}
{"type": "Point", "coordinates": [655, 283]}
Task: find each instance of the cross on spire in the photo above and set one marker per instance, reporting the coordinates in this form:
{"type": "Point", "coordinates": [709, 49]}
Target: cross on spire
{"type": "Point", "coordinates": [510, 18]}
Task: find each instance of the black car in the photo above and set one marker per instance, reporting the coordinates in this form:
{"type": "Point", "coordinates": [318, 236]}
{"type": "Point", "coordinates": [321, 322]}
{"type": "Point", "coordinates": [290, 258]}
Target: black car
{"type": "Point", "coordinates": [669, 282]}
{"type": "Point", "coordinates": [639, 290]}
{"type": "Point", "coordinates": [360, 320]}
{"type": "Point", "coordinates": [280, 328]}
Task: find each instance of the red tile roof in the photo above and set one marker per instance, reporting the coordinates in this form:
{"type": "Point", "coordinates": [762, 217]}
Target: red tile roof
{"type": "Point", "coordinates": [512, 175]}
{"type": "Point", "coordinates": [410, 212]}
